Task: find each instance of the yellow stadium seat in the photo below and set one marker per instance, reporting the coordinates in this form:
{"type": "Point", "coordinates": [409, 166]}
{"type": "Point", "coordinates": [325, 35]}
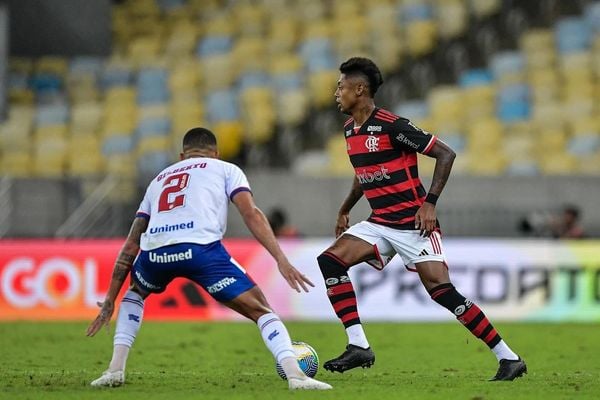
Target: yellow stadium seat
{"type": "Point", "coordinates": [16, 164]}
{"type": "Point", "coordinates": [259, 124]}
{"type": "Point", "coordinates": [479, 102]}
{"type": "Point", "coordinates": [52, 65]}
{"type": "Point", "coordinates": [144, 49]}
{"type": "Point", "coordinates": [589, 165]}
{"type": "Point", "coordinates": [445, 102]}
{"type": "Point", "coordinates": [322, 86]}
{"type": "Point", "coordinates": [153, 143]}
{"type": "Point", "coordinates": [338, 164]}
{"type": "Point", "coordinates": [218, 71]}
{"type": "Point", "coordinates": [153, 111]}
{"type": "Point", "coordinates": [229, 138]}
{"type": "Point", "coordinates": [559, 163]}
{"type": "Point", "coordinates": [220, 25]}
{"type": "Point", "coordinates": [285, 63]}
{"type": "Point", "coordinates": [387, 50]}
{"type": "Point", "coordinates": [121, 165]}
{"type": "Point", "coordinates": [490, 163]}
{"type": "Point", "coordinates": [182, 40]}
{"type": "Point", "coordinates": [250, 54]}
{"type": "Point", "coordinates": [50, 151]}
{"type": "Point", "coordinates": [283, 35]}
{"type": "Point", "coordinates": [250, 19]}
{"type": "Point", "coordinates": [452, 17]}
{"type": "Point", "coordinates": [320, 28]}
{"type": "Point", "coordinates": [421, 37]}
{"type": "Point", "coordinates": [86, 117]}
{"type": "Point", "coordinates": [484, 135]}
{"type": "Point", "coordinates": [21, 96]}
{"type": "Point", "coordinates": [540, 58]}
{"type": "Point", "coordinates": [549, 113]}
{"type": "Point", "coordinates": [20, 64]}
{"type": "Point", "coordinates": [85, 163]}
{"type": "Point", "coordinates": [585, 125]}
{"type": "Point", "coordinates": [485, 8]}
{"type": "Point", "coordinates": [292, 106]}
{"type": "Point", "coordinates": [535, 39]}
{"type": "Point", "coordinates": [185, 75]}
{"type": "Point", "coordinates": [14, 136]}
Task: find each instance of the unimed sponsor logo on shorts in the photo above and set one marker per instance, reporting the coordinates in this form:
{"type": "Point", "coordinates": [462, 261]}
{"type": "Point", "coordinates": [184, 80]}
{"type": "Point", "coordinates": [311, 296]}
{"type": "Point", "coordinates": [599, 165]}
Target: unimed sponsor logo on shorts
{"type": "Point", "coordinates": [222, 284]}
{"type": "Point", "coordinates": [169, 258]}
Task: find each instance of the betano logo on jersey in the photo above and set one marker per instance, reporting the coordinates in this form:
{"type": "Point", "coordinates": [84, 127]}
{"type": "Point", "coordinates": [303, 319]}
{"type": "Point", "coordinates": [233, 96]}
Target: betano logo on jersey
{"type": "Point", "coordinates": [171, 228]}
{"type": "Point", "coordinates": [368, 177]}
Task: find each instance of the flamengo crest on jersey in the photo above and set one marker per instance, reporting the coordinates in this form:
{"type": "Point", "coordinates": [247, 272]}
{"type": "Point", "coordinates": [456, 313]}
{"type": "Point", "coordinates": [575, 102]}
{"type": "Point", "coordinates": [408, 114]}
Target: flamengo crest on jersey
{"type": "Point", "coordinates": [187, 202]}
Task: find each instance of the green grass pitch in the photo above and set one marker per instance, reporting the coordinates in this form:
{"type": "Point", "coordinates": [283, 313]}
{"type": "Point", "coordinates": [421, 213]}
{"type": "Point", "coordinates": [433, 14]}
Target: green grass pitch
{"type": "Point", "coordinates": [229, 361]}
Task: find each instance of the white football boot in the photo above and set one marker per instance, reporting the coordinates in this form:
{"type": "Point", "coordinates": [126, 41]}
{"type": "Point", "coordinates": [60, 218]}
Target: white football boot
{"type": "Point", "coordinates": [110, 379]}
{"type": "Point", "coordinates": [307, 384]}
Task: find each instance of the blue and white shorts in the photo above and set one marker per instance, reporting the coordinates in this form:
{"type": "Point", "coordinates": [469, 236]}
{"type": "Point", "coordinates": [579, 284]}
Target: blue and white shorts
{"type": "Point", "coordinates": [209, 265]}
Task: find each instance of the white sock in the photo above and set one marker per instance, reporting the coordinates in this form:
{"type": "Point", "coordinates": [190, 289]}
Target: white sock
{"type": "Point", "coordinates": [129, 320]}
{"type": "Point", "coordinates": [356, 336]}
{"type": "Point", "coordinates": [278, 341]}
{"type": "Point", "coordinates": [501, 350]}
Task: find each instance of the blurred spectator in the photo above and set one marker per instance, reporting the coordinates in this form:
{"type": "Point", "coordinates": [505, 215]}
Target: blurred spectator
{"type": "Point", "coordinates": [279, 223]}
{"type": "Point", "coordinates": [566, 225]}
{"type": "Point", "coordinates": [561, 225]}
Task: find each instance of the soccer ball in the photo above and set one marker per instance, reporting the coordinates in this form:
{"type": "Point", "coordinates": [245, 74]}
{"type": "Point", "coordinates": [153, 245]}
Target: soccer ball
{"type": "Point", "coordinates": [308, 360]}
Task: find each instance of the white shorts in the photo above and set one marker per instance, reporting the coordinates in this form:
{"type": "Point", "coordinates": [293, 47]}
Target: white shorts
{"type": "Point", "coordinates": [408, 244]}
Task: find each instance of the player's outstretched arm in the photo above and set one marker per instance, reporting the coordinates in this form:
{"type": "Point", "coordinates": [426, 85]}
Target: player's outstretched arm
{"type": "Point", "coordinates": [257, 223]}
{"type": "Point", "coordinates": [425, 218]}
{"type": "Point", "coordinates": [123, 264]}
{"type": "Point", "coordinates": [343, 218]}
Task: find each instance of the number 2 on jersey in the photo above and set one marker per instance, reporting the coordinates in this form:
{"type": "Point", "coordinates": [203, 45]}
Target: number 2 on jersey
{"type": "Point", "coordinates": [170, 197]}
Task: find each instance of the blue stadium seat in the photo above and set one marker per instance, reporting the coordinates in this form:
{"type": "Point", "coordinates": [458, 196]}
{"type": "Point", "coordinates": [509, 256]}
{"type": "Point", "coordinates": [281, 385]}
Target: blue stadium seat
{"type": "Point", "coordinates": [54, 114]}
{"type": "Point", "coordinates": [507, 63]}
{"type": "Point", "coordinates": [153, 127]}
{"type": "Point", "coordinates": [318, 54]}
{"type": "Point", "coordinates": [152, 86]}
{"type": "Point", "coordinates": [475, 77]}
{"type": "Point", "coordinates": [415, 12]}
{"type": "Point", "coordinates": [592, 15]}
{"type": "Point", "coordinates": [152, 162]}
{"type": "Point", "coordinates": [222, 105]}
{"type": "Point", "coordinates": [116, 76]}
{"type": "Point", "coordinates": [584, 145]}
{"type": "Point", "coordinates": [573, 34]}
{"type": "Point", "coordinates": [118, 144]}
{"type": "Point", "coordinates": [253, 79]}
{"type": "Point", "coordinates": [213, 45]}
{"type": "Point", "coordinates": [412, 109]}
{"type": "Point", "coordinates": [287, 81]}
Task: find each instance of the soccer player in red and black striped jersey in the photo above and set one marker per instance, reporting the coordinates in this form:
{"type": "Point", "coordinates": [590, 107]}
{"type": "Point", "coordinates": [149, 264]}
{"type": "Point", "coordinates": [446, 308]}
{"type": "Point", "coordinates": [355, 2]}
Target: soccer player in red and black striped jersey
{"type": "Point", "coordinates": [383, 150]}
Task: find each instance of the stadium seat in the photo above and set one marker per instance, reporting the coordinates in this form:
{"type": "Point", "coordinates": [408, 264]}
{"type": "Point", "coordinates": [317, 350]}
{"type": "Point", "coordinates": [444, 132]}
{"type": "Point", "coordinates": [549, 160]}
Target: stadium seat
{"type": "Point", "coordinates": [229, 138]}
{"type": "Point", "coordinates": [452, 18]}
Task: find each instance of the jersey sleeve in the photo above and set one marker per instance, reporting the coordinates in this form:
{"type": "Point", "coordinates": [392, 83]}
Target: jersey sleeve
{"type": "Point", "coordinates": [236, 182]}
{"type": "Point", "coordinates": [144, 208]}
{"type": "Point", "coordinates": [406, 136]}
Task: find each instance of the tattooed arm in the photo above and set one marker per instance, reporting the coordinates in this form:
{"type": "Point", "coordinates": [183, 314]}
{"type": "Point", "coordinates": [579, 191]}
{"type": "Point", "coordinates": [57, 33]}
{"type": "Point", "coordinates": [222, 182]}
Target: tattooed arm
{"type": "Point", "coordinates": [122, 268]}
{"type": "Point", "coordinates": [425, 218]}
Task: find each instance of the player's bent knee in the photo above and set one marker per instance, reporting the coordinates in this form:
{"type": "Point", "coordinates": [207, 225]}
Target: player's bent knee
{"type": "Point", "coordinates": [135, 288]}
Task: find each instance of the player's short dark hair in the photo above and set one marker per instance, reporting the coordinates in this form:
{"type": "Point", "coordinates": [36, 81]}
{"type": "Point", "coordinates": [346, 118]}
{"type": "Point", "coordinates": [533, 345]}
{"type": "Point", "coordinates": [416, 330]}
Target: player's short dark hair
{"type": "Point", "coordinates": [199, 138]}
{"type": "Point", "coordinates": [367, 68]}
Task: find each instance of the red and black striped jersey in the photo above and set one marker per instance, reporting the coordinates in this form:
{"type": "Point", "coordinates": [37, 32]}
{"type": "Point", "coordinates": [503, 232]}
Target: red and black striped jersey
{"type": "Point", "coordinates": [383, 152]}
